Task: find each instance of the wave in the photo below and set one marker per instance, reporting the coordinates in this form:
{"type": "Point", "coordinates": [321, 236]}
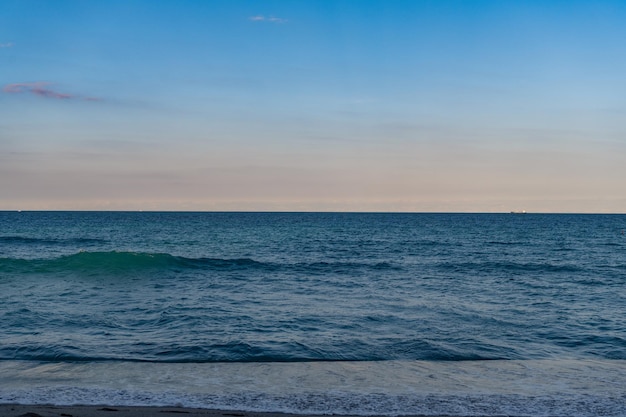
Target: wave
{"type": "Point", "coordinates": [497, 388]}
{"type": "Point", "coordinates": [508, 266]}
{"type": "Point", "coordinates": [114, 261]}
{"type": "Point", "coordinates": [117, 262]}
{"type": "Point", "coordinates": [242, 352]}
{"type": "Point", "coordinates": [331, 402]}
{"type": "Point", "coordinates": [25, 240]}
{"type": "Point", "coordinates": [342, 267]}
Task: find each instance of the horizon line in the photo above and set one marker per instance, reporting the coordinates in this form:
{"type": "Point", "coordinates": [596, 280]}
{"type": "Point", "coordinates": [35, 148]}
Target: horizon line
{"type": "Point", "coordinates": [514, 212]}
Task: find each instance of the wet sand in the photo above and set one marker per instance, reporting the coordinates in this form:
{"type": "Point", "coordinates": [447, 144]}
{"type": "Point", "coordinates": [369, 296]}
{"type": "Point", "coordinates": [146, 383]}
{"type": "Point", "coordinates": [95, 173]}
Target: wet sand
{"type": "Point", "coordinates": [114, 411]}
{"type": "Point", "coordinates": [14, 410]}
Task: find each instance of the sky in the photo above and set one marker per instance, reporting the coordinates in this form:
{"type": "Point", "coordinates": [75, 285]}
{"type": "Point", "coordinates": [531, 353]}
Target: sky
{"type": "Point", "coordinates": [343, 105]}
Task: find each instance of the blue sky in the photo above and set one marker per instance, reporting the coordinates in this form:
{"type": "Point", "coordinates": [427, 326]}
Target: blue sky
{"type": "Point", "coordinates": [313, 105]}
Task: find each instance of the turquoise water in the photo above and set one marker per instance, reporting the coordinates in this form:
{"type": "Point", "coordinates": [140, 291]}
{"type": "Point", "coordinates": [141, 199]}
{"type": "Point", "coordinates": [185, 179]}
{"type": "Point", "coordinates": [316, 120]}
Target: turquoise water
{"type": "Point", "coordinates": [457, 314]}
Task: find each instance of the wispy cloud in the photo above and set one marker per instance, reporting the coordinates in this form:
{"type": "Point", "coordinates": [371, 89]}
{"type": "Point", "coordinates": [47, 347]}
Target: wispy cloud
{"type": "Point", "coordinates": [270, 19]}
{"type": "Point", "coordinates": [39, 89]}
{"type": "Point", "coordinates": [42, 89]}
{"type": "Point", "coordinates": [7, 45]}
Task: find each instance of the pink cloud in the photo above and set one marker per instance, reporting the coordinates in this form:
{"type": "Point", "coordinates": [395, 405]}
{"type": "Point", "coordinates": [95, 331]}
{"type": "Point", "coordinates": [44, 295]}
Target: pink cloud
{"type": "Point", "coordinates": [41, 89]}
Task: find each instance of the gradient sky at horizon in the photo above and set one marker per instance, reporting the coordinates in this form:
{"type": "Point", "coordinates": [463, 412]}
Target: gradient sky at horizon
{"type": "Point", "coordinates": [313, 105]}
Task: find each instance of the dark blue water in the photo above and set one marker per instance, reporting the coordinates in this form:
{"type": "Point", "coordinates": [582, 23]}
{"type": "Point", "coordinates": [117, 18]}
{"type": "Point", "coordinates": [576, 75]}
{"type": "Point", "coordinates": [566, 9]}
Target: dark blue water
{"type": "Point", "coordinates": [300, 288]}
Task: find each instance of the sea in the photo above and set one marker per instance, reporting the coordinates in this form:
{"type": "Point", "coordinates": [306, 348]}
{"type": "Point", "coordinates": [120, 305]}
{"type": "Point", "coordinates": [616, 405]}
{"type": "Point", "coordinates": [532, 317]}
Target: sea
{"type": "Point", "coordinates": [325, 313]}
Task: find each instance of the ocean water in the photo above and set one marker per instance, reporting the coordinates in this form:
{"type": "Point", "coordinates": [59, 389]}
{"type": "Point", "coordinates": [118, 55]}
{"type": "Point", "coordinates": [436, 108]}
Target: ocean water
{"type": "Point", "coordinates": [330, 313]}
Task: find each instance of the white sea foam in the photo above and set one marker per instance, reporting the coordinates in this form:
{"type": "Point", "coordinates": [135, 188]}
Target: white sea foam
{"type": "Point", "coordinates": [488, 388]}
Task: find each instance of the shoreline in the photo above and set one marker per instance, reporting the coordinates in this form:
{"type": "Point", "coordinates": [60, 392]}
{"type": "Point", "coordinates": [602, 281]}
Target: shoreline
{"type": "Point", "coordinates": [45, 410]}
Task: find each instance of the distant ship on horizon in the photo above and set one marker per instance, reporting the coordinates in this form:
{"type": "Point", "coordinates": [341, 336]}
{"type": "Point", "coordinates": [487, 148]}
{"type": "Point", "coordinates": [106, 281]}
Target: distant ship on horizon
{"type": "Point", "coordinates": [518, 212]}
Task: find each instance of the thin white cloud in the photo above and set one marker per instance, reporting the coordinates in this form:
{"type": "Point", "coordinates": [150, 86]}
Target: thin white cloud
{"type": "Point", "coordinates": [270, 19]}
{"type": "Point", "coordinates": [7, 45]}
